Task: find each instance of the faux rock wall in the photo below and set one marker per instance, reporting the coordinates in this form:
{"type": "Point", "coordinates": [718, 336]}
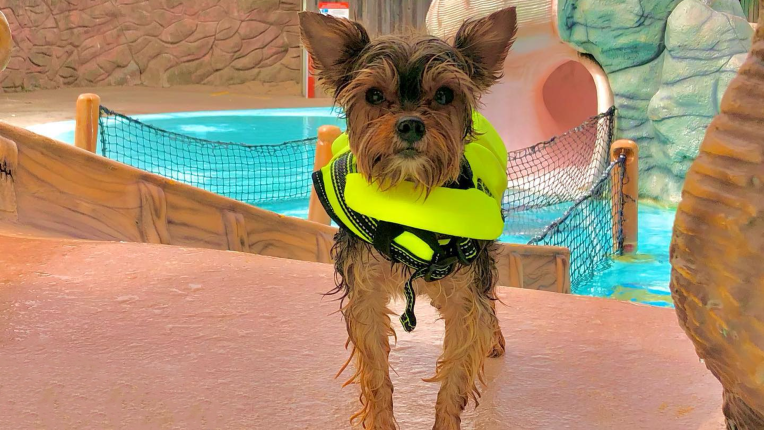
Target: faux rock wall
{"type": "Point", "coordinates": [158, 43]}
{"type": "Point", "coordinates": [668, 62]}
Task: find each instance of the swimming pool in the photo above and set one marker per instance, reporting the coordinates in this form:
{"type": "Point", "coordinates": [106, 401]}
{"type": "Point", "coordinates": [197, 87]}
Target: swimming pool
{"type": "Point", "coordinates": [643, 278]}
{"type": "Point", "coordinates": [256, 126]}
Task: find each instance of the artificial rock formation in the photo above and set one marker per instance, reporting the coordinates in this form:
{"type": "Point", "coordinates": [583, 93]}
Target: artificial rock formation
{"type": "Point", "coordinates": [717, 250]}
{"type": "Point", "coordinates": [705, 46]}
{"type": "Point", "coordinates": [152, 42]}
{"type": "Point", "coordinates": [667, 62]}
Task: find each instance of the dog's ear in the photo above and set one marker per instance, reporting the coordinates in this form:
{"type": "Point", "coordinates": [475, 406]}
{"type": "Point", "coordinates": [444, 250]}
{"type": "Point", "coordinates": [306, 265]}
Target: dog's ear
{"type": "Point", "coordinates": [333, 43]}
{"type": "Point", "coordinates": [485, 42]}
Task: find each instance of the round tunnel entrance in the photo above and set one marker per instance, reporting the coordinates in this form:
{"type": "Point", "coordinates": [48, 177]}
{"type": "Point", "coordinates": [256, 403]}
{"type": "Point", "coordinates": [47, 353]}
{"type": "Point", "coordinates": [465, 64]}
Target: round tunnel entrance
{"type": "Point", "coordinates": [569, 95]}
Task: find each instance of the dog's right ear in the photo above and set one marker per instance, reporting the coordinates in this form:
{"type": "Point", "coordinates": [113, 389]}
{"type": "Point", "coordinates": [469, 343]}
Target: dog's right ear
{"type": "Point", "coordinates": [333, 43]}
{"type": "Point", "coordinates": [485, 42]}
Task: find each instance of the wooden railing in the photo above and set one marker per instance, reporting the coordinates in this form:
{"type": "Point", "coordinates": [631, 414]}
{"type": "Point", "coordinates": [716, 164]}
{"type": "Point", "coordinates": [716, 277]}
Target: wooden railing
{"type": "Point", "coordinates": [49, 188]}
{"type": "Point", "coordinates": [58, 189]}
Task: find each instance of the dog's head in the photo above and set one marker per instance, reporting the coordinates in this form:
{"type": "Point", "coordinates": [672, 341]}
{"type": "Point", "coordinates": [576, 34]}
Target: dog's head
{"type": "Point", "coordinates": [408, 100]}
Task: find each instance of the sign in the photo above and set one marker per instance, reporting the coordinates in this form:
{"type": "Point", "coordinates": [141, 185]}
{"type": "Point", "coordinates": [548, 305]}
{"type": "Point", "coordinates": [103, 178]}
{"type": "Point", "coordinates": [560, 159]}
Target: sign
{"type": "Point", "coordinates": [339, 9]}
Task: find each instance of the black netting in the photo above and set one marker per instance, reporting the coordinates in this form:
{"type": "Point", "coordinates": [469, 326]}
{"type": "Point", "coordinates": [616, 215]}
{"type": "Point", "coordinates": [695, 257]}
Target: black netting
{"type": "Point", "coordinates": [560, 192]}
{"type": "Point", "coordinates": [558, 195]}
{"type": "Point", "coordinates": [545, 179]}
{"type": "Point", "coordinates": [249, 173]}
{"type": "Point", "coordinates": [591, 227]}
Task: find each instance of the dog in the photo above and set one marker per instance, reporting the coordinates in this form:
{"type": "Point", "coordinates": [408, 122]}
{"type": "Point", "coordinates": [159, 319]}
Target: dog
{"type": "Point", "coordinates": [408, 103]}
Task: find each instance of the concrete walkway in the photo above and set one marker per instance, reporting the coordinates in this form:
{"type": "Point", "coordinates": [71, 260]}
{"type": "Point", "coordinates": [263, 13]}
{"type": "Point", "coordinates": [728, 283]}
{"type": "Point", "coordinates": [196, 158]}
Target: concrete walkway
{"type": "Point", "coordinates": [122, 335]}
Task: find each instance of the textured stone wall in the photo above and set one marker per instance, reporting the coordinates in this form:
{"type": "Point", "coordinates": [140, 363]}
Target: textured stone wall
{"type": "Point", "coordinates": [668, 63]}
{"type": "Point", "coordinates": [152, 42]}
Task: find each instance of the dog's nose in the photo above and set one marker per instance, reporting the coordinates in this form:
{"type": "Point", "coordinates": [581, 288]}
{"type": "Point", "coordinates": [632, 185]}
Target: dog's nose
{"type": "Point", "coordinates": [410, 129]}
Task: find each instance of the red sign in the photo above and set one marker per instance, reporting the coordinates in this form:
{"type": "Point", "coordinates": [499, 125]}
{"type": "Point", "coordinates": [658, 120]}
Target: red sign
{"type": "Point", "coordinates": [340, 9]}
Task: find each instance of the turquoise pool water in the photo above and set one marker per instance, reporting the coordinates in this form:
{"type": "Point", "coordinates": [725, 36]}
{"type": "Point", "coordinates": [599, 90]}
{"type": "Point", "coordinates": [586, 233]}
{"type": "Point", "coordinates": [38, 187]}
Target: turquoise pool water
{"type": "Point", "coordinates": [257, 126]}
{"type": "Point", "coordinates": [643, 278]}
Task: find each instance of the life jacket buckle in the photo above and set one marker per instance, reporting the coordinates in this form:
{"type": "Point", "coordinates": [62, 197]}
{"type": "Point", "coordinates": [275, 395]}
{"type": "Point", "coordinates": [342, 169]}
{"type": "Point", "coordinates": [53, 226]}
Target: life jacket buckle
{"type": "Point", "coordinates": [446, 264]}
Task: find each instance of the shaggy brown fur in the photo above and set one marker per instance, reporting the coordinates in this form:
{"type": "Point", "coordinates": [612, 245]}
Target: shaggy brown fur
{"type": "Point", "coordinates": [435, 86]}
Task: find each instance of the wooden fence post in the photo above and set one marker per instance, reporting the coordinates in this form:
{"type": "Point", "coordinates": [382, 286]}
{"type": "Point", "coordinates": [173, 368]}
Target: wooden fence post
{"type": "Point", "coordinates": [629, 213]}
{"type": "Point", "coordinates": [326, 136]}
{"type": "Point", "coordinates": [86, 122]}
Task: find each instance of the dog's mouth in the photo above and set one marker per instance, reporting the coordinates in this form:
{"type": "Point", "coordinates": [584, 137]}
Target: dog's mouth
{"type": "Point", "coordinates": [408, 153]}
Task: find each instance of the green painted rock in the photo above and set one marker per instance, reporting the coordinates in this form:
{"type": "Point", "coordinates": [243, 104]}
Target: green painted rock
{"type": "Point", "coordinates": [706, 43]}
{"type": "Point", "coordinates": [668, 63]}
{"type": "Point", "coordinates": [619, 34]}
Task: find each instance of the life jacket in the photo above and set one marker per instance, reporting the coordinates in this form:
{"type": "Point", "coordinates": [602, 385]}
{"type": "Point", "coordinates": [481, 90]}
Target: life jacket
{"type": "Point", "coordinates": [432, 234]}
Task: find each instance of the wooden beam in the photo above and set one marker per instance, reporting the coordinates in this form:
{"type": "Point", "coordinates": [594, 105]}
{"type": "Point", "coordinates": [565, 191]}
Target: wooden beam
{"type": "Point", "coordinates": [65, 192]}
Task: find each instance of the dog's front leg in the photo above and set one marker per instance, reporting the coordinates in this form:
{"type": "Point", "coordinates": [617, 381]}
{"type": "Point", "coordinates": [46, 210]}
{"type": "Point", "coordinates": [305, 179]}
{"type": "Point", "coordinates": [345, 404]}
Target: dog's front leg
{"type": "Point", "coordinates": [368, 324]}
{"type": "Point", "coordinates": [499, 344]}
{"type": "Point", "coordinates": [470, 336]}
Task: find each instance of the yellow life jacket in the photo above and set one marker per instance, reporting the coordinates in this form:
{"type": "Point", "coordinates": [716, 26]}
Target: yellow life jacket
{"type": "Point", "coordinates": [432, 234]}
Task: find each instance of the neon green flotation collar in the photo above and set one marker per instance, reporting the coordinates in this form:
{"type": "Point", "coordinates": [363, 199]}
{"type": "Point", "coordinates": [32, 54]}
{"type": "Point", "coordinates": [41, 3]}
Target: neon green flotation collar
{"type": "Point", "coordinates": [430, 235]}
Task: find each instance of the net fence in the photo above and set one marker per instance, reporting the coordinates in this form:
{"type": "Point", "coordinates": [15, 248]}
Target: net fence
{"type": "Point", "coordinates": [591, 227]}
{"type": "Point", "coordinates": [562, 192]}
{"type": "Point", "coordinates": [249, 173]}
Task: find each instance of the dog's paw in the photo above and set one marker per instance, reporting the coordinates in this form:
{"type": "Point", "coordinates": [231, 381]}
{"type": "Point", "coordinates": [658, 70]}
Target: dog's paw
{"type": "Point", "coordinates": [499, 348]}
{"type": "Point", "coordinates": [496, 352]}
{"type": "Point", "coordinates": [446, 422]}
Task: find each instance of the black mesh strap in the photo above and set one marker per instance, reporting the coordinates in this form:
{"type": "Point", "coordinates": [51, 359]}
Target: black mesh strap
{"type": "Point", "coordinates": [408, 318]}
{"type": "Point", "coordinates": [384, 235]}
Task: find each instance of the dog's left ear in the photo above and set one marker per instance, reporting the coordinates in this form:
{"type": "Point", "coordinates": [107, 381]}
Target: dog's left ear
{"type": "Point", "coordinates": [333, 43]}
{"type": "Point", "coordinates": [485, 42]}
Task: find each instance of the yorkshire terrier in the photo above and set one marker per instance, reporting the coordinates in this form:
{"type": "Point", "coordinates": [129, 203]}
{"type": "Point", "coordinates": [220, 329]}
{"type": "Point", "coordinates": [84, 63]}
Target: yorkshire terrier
{"type": "Point", "coordinates": [408, 102]}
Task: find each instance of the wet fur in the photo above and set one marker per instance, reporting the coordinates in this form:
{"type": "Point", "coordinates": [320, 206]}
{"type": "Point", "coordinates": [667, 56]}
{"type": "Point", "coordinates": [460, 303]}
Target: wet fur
{"type": "Point", "coordinates": [466, 301]}
{"type": "Point", "coordinates": [409, 71]}
{"type": "Point", "coordinates": [388, 64]}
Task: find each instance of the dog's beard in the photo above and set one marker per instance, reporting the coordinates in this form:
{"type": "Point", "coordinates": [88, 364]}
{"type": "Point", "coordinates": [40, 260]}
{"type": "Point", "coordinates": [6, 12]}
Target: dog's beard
{"type": "Point", "coordinates": [383, 158]}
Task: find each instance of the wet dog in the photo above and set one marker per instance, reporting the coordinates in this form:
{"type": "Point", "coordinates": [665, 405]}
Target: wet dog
{"type": "Point", "coordinates": [409, 105]}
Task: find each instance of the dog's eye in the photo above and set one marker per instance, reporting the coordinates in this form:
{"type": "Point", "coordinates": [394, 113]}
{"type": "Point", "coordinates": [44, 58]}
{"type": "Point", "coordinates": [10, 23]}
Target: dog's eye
{"type": "Point", "coordinates": [444, 96]}
{"type": "Point", "coordinates": [374, 96]}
